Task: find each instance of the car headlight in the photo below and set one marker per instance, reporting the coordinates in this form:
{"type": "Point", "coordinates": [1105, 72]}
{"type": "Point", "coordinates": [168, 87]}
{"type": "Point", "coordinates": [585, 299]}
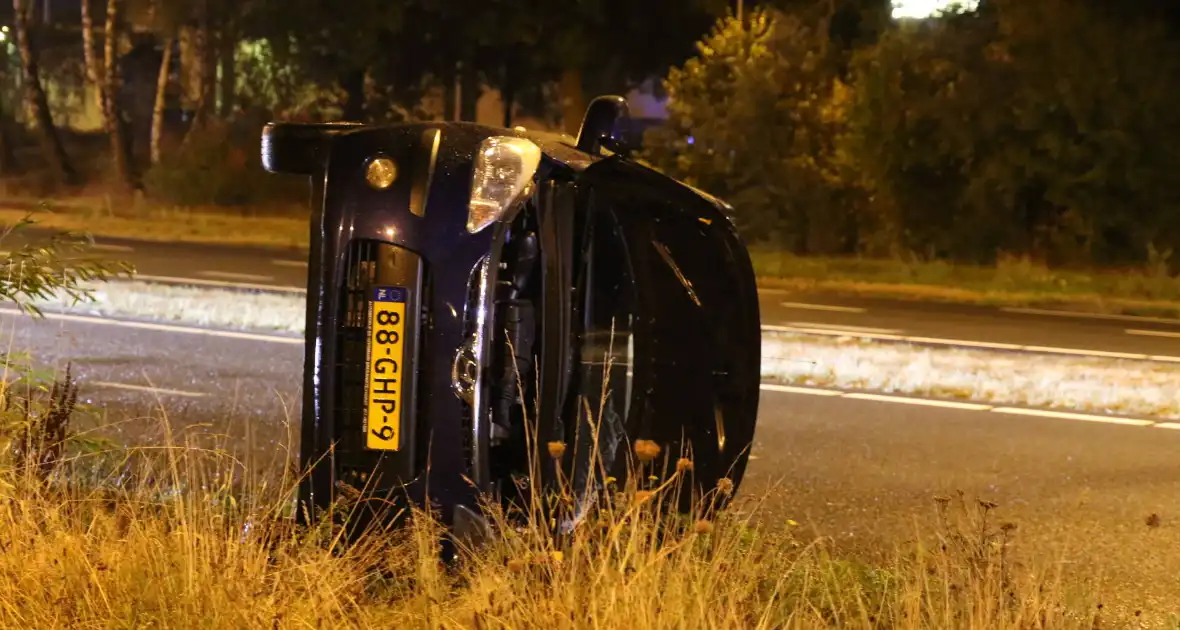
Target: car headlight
{"type": "Point", "coordinates": [504, 169]}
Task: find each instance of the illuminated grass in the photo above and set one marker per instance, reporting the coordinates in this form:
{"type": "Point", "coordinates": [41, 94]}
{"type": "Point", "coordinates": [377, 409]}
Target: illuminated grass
{"type": "Point", "coordinates": [197, 539]}
{"type": "Point", "coordinates": [1088, 384]}
{"type": "Point", "coordinates": [174, 225]}
{"type": "Point", "coordinates": [194, 306]}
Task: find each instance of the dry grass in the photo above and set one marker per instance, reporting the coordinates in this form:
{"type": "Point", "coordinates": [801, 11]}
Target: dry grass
{"type": "Point", "coordinates": [185, 535]}
{"type": "Point", "coordinates": [173, 225]}
{"type": "Point", "coordinates": [1011, 282]}
{"type": "Point", "coordinates": [138, 559]}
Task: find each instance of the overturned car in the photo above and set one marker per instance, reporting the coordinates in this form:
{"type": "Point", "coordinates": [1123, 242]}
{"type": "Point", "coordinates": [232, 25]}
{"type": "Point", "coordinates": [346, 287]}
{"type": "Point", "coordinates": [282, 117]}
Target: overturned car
{"type": "Point", "coordinates": [476, 293]}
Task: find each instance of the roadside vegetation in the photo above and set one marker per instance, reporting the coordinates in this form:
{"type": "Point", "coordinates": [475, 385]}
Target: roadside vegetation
{"type": "Point", "coordinates": [1150, 290]}
{"type": "Point", "coordinates": [185, 534]}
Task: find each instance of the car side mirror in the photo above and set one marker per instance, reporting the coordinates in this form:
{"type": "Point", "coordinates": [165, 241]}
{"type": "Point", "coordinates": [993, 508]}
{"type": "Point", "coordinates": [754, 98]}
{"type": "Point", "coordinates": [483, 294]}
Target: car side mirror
{"type": "Point", "coordinates": [602, 126]}
{"type": "Point", "coordinates": [299, 148]}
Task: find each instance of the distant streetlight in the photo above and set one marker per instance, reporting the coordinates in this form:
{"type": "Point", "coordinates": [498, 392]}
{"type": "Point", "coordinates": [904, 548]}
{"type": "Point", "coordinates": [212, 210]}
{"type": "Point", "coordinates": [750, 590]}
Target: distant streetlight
{"type": "Point", "coordinates": [921, 9]}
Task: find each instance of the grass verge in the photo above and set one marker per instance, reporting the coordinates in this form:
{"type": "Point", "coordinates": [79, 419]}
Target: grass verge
{"type": "Point", "coordinates": [170, 225]}
{"type": "Point", "coordinates": [1011, 282]}
{"type": "Point", "coordinates": [187, 536]}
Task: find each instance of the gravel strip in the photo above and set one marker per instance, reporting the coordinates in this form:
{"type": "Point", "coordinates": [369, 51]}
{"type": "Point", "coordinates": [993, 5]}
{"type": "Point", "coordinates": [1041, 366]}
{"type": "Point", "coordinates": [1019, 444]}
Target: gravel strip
{"type": "Point", "coordinates": [1066, 383]}
{"type": "Point", "coordinates": [220, 308]}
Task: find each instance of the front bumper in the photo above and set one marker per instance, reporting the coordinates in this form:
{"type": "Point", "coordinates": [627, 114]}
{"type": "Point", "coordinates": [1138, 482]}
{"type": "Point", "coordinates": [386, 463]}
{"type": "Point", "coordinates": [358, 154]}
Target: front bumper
{"type": "Point", "coordinates": [364, 239]}
{"type": "Point", "coordinates": [378, 343]}
{"type": "Point", "coordinates": [397, 382]}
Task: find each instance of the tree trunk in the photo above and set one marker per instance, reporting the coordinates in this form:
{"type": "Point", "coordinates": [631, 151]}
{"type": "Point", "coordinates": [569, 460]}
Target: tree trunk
{"type": "Point", "coordinates": [353, 84]}
{"type": "Point", "coordinates": [7, 156]}
{"type": "Point", "coordinates": [209, 44]}
{"type": "Point", "coordinates": [468, 93]}
{"type": "Point", "coordinates": [116, 127]}
{"type": "Point", "coordinates": [55, 153]}
{"type": "Point", "coordinates": [449, 78]}
{"type": "Point", "coordinates": [91, 63]}
{"type": "Point", "coordinates": [508, 93]}
{"type": "Point", "coordinates": [573, 101]}
{"type": "Point", "coordinates": [161, 99]}
{"type": "Point", "coordinates": [8, 162]}
{"type": "Point", "coordinates": [204, 80]}
{"type": "Point", "coordinates": [228, 44]}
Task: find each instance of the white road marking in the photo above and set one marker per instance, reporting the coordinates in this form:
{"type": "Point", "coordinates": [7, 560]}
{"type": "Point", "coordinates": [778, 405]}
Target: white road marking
{"type": "Point", "coordinates": [811, 329]}
{"type": "Point", "coordinates": [188, 330]}
{"type": "Point", "coordinates": [823, 307]}
{"type": "Point", "coordinates": [975, 344]}
{"type": "Point", "coordinates": [150, 390]}
{"type": "Point", "coordinates": [1079, 315]}
{"type": "Point", "coordinates": [843, 328]}
{"type": "Point", "coordinates": [1153, 333]}
{"type": "Point", "coordinates": [229, 275]}
{"type": "Point", "coordinates": [112, 248]}
{"type": "Point", "coordinates": [290, 263]}
{"type": "Point", "coordinates": [1085, 353]}
{"type": "Point", "coordinates": [809, 391]}
{"type": "Point", "coordinates": [981, 407]}
{"type": "Point", "coordinates": [1063, 415]}
{"type": "Point", "coordinates": [218, 283]}
{"type": "Point", "coordinates": [925, 402]}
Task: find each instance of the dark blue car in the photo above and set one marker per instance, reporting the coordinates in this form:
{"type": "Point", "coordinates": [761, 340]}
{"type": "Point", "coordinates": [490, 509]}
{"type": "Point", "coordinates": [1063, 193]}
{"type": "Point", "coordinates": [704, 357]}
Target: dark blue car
{"type": "Point", "coordinates": [474, 290]}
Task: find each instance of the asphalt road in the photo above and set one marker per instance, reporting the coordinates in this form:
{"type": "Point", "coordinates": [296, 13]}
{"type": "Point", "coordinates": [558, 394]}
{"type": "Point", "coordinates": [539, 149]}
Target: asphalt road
{"type": "Point", "coordinates": [866, 474]}
{"type": "Point", "coordinates": [140, 377]}
{"type": "Point", "coordinates": [862, 472]}
{"type": "Point", "coordinates": [792, 310]}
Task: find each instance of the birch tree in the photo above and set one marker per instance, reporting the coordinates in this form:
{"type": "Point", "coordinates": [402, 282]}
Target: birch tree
{"type": "Point", "coordinates": [38, 103]}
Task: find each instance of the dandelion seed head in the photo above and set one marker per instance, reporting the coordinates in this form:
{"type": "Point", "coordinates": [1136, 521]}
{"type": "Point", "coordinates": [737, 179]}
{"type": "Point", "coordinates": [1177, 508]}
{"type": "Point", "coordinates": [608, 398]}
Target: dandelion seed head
{"type": "Point", "coordinates": [556, 449]}
{"type": "Point", "coordinates": [646, 450]}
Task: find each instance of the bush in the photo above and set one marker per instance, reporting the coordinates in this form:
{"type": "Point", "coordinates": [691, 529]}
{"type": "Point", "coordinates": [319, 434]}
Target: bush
{"type": "Point", "coordinates": [754, 119]}
{"type": "Point", "coordinates": [221, 166]}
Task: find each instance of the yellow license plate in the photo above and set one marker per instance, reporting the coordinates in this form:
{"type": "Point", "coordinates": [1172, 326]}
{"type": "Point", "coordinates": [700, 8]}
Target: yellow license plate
{"type": "Point", "coordinates": [384, 363]}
